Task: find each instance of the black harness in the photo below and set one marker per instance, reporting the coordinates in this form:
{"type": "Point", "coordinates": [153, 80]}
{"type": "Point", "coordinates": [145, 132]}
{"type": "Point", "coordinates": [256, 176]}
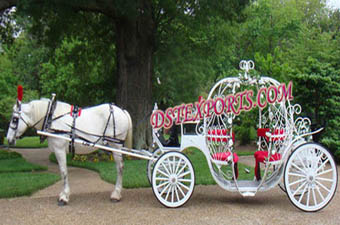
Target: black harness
{"type": "Point", "coordinates": [48, 117]}
{"type": "Point", "coordinates": [75, 113]}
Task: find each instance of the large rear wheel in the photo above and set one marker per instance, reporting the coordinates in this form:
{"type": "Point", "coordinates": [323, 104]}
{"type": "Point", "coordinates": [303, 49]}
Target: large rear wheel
{"type": "Point", "coordinates": [310, 177]}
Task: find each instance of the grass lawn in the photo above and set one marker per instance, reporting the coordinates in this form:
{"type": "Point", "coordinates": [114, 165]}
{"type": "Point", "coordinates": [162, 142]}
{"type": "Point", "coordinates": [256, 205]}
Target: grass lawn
{"type": "Point", "coordinates": [29, 142]}
{"type": "Point", "coordinates": [19, 184]}
{"type": "Point", "coordinates": [19, 177]}
{"type": "Point", "coordinates": [19, 165]}
{"type": "Point", "coordinates": [135, 175]}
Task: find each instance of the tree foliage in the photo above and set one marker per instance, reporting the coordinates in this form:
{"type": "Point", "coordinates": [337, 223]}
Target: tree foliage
{"type": "Point", "coordinates": [176, 50]}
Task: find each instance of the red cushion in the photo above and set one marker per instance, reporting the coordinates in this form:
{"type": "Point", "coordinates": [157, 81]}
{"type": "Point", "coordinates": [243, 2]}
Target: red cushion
{"type": "Point", "coordinates": [261, 132]}
{"type": "Point", "coordinates": [223, 156]}
{"type": "Point", "coordinates": [220, 135]}
{"type": "Point", "coordinates": [260, 156]}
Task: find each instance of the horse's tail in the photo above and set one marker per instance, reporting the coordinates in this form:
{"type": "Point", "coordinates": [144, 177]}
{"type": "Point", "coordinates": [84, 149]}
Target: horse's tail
{"type": "Point", "coordinates": [129, 136]}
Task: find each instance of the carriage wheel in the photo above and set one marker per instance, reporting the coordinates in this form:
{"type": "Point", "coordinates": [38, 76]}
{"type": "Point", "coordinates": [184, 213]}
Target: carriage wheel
{"type": "Point", "coordinates": [310, 177]}
{"type": "Point", "coordinates": [158, 152]}
{"type": "Point", "coordinates": [173, 179]}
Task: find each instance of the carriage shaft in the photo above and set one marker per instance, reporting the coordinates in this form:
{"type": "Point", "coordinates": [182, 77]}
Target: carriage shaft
{"type": "Point", "coordinates": [124, 151]}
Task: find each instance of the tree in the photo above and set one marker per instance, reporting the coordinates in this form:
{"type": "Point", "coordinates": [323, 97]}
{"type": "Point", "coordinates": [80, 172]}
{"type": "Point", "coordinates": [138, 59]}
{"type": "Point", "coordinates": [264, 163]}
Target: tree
{"type": "Point", "coordinates": [137, 26]}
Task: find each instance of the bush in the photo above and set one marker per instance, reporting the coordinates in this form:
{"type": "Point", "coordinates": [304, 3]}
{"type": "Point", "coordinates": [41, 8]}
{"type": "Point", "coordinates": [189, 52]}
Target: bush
{"type": "Point", "coordinates": [245, 134]}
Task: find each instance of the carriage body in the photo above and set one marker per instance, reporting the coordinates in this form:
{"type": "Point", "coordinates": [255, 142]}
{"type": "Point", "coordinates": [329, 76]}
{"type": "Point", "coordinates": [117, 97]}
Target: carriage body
{"type": "Point", "coordinates": [281, 131]}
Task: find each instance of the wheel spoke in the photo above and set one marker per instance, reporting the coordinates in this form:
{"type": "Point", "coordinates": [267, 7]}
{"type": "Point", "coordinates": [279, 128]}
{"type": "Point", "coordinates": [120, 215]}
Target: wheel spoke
{"type": "Point", "coordinates": [303, 193]}
{"type": "Point", "coordinates": [304, 166]}
{"type": "Point", "coordinates": [181, 170]}
{"type": "Point", "coordinates": [177, 196]}
{"type": "Point", "coordinates": [166, 188]}
{"type": "Point", "coordinates": [183, 186]}
{"type": "Point", "coordinates": [297, 174]}
{"type": "Point", "coordinates": [162, 184]}
{"type": "Point", "coordinates": [184, 174]}
{"type": "Point", "coordinates": [184, 180]}
{"type": "Point", "coordinates": [318, 158]}
{"type": "Point", "coordinates": [323, 186]}
{"type": "Point", "coordinates": [161, 172]}
{"type": "Point", "coordinates": [319, 192]}
{"type": "Point", "coordinates": [314, 196]}
{"type": "Point", "coordinates": [178, 164]}
{"type": "Point", "coordinates": [296, 166]}
{"type": "Point", "coordinates": [168, 192]}
{"type": "Point", "coordinates": [298, 181]}
{"type": "Point", "coordinates": [324, 172]}
{"type": "Point", "coordinates": [324, 179]}
{"type": "Point", "coordinates": [298, 189]}
{"type": "Point", "coordinates": [169, 163]}
{"type": "Point", "coordinates": [180, 189]}
{"type": "Point", "coordinates": [165, 168]}
{"type": "Point", "coordinates": [162, 178]}
{"type": "Point", "coordinates": [172, 194]}
{"type": "Point", "coordinates": [308, 194]}
{"type": "Point", "coordinates": [322, 165]}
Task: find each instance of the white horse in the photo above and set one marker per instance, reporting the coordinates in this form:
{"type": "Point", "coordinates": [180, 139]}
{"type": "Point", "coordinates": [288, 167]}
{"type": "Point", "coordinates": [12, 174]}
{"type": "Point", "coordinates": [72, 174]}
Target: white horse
{"type": "Point", "coordinates": [93, 124]}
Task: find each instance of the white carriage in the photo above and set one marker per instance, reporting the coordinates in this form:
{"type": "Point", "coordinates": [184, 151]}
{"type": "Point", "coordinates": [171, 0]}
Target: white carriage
{"type": "Point", "coordinates": [305, 170]}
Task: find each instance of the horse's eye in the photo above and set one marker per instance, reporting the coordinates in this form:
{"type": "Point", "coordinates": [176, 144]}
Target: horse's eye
{"type": "Point", "coordinates": [15, 120]}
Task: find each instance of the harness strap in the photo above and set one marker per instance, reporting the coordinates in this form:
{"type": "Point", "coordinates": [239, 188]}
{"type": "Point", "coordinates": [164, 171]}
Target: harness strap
{"type": "Point", "coordinates": [49, 114]}
{"type": "Point", "coordinates": [75, 112]}
{"type": "Point", "coordinates": [113, 122]}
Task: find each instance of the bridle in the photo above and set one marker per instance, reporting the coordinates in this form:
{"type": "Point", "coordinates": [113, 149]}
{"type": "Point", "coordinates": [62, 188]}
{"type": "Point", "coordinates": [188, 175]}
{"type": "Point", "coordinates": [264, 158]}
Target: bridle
{"type": "Point", "coordinates": [16, 117]}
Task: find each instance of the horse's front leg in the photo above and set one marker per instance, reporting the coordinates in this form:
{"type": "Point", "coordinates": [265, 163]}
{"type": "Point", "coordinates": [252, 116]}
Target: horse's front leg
{"type": "Point", "coordinates": [59, 147]}
{"type": "Point", "coordinates": [116, 194]}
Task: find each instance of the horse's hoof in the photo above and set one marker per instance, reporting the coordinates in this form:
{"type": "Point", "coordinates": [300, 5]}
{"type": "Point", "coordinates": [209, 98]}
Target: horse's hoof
{"type": "Point", "coordinates": [115, 200]}
{"type": "Point", "coordinates": [61, 203]}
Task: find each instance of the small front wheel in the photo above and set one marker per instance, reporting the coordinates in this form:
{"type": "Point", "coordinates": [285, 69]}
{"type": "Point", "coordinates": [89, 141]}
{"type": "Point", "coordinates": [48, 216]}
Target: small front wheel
{"type": "Point", "coordinates": [173, 179]}
{"type": "Point", "coordinates": [310, 177]}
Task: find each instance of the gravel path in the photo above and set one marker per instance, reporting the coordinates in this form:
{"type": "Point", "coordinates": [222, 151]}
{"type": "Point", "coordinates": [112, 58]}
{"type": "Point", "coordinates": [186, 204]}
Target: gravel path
{"type": "Point", "coordinates": [90, 204]}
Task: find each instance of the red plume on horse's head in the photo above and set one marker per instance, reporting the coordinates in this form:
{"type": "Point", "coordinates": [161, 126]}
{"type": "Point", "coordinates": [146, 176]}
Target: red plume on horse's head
{"type": "Point", "coordinates": [20, 92]}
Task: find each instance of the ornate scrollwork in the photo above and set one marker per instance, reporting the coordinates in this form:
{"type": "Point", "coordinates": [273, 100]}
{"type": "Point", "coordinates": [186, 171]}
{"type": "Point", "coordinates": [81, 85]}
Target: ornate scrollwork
{"type": "Point", "coordinates": [302, 125]}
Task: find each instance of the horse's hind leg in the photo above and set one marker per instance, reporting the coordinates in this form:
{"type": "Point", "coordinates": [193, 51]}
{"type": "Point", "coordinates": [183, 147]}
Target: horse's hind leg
{"type": "Point", "coordinates": [116, 194]}
{"type": "Point", "coordinates": [59, 148]}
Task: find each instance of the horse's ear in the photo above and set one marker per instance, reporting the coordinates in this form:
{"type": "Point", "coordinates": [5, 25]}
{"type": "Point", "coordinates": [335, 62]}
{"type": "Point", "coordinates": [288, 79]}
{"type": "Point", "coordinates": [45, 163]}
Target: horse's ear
{"type": "Point", "coordinates": [20, 92]}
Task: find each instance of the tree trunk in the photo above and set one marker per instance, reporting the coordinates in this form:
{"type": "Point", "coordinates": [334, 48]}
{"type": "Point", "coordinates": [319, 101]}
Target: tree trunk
{"type": "Point", "coordinates": [135, 47]}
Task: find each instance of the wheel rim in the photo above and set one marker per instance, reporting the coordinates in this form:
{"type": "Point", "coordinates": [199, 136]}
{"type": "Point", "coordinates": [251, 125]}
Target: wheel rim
{"type": "Point", "coordinates": [311, 177]}
{"type": "Point", "coordinates": [173, 179]}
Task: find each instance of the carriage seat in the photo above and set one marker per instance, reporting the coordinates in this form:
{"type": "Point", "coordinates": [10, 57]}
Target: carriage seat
{"type": "Point", "coordinates": [225, 156]}
{"type": "Point", "coordinates": [261, 156]}
{"type": "Point", "coordinates": [222, 136]}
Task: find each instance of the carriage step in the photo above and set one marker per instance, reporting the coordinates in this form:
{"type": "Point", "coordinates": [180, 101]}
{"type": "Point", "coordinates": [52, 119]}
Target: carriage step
{"type": "Point", "coordinates": [248, 194]}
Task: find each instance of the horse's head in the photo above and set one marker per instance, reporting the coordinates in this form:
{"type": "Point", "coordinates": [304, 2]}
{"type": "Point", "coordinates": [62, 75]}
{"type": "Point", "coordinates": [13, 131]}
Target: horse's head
{"type": "Point", "coordinates": [20, 122]}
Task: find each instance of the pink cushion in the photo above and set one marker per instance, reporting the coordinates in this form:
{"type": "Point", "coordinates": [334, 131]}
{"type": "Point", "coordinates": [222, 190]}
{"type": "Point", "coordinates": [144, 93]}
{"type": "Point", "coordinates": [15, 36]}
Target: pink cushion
{"type": "Point", "coordinates": [223, 156]}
